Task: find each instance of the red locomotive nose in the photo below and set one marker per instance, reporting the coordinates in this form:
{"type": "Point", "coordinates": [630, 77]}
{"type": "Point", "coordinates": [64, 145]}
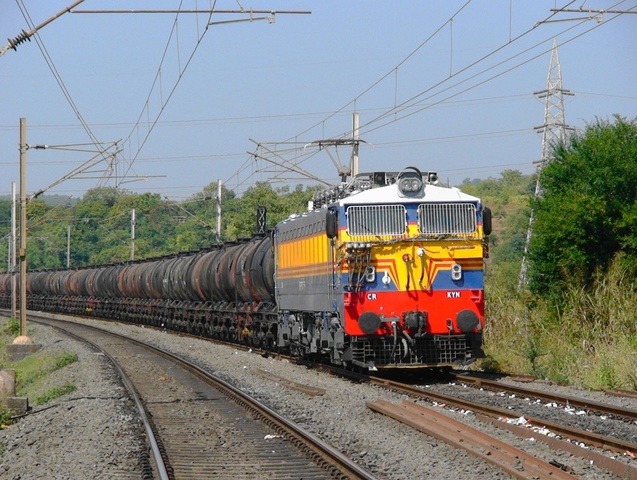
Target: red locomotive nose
{"type": "Point", "coordinates": [348, 299]}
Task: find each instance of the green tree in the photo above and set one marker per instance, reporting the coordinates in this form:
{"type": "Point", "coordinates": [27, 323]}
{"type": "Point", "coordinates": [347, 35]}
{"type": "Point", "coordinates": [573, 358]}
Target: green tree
{"type": "Point", "coordinates": [198, 215]}
{"type": "Point", "coordinates": [508, 197]}
{"type": "Point", "coordinates": [5, 230]}
{"type": "Point", "coordinates": [587, 214]}
{"type": "Point", "coordinates": [46, 235]}
{"type": "Point", "coordinates": [239, 214]}
{"type": "Point", "coordinates": [95, 226]}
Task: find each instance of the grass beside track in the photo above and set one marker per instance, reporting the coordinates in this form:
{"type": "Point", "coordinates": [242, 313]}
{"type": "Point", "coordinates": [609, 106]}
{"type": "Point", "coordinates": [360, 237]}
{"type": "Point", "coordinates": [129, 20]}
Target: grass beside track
{"type": "Point", "coordinates": [588, 338]}
{"type": "Point", "coordinates": [36, 375]}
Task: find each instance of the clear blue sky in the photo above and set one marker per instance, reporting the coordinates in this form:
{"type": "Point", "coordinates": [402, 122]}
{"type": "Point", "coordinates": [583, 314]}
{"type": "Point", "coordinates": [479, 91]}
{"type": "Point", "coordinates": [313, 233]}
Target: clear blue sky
{"type": "Point", "coordinates": [299, 79]}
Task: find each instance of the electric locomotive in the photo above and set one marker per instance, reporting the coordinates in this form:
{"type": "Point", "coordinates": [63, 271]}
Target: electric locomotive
{"type": "Point", "coordinates": [384, 271]}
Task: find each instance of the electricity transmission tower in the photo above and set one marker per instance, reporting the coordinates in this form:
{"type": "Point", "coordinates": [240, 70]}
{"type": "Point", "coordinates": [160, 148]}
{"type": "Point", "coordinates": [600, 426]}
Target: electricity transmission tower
{"type": "Point", "coordinates": [553, 133]}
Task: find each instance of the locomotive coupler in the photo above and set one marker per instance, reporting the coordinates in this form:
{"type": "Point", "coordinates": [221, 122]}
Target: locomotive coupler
{"type": "Point", "coordinates": [371, 366]}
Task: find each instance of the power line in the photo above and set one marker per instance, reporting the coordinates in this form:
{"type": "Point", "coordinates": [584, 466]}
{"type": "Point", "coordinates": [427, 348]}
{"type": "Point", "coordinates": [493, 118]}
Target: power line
{"type": "Point", "coordinates": [412, 105]}
{"type": "Point", "coordinates": [259, 118]}
{"type": "Point", "coordinates": [408, 103]}
{"type": "Point", "coordinates": [174, 33]}
{"type": "Point", "coordinates": [58, 78]}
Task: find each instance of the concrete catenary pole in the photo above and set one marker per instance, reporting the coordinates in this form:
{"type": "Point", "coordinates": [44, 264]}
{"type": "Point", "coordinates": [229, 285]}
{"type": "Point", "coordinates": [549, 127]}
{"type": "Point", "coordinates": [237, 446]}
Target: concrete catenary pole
{"type": "Point", "coordinates": [68, 246]}
{"type": "Point", "coordinates": [23, 227]}
{"type": "Point", "coordinates": [133, 223]}
{"type": "Point", "coordinates": [218, 234]}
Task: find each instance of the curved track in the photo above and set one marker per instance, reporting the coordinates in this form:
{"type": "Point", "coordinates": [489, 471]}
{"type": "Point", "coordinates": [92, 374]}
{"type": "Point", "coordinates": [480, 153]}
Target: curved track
{"type": "Point", "coordinates": [575, 436]}
{"type": "Point", "coordinates": [587, 404]}
{"type": "Point", "coordinates": [209, 429]}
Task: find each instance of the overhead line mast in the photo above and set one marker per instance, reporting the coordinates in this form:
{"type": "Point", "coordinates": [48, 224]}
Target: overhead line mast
{"type": "Point", "coordinates": [351, 169]}
{"type": "Point", "coordinates": [553, 133]}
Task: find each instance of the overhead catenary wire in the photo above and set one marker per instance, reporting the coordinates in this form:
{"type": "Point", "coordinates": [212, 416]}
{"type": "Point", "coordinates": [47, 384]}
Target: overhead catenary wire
{"type": "Point", "coordinates": [393, 110]}
{"type": "Point", "coordinates": [383, 77]}
{"type": "Point", "coordinates": [101, 152]}
{"type": "Point", "coordinates": [414, 104]}
{"type": "Point", "coordinates": [407, 105]}
{"type": "Point", "coordinates": [156, 82]}
{"type": "Point", "coordinates": [303, 158]}
{"type": "Point", "coordinates": [158, 75]}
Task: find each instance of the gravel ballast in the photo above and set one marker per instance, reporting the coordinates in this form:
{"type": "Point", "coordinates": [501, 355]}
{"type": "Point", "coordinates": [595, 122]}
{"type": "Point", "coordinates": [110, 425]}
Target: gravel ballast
{"type": "Point", "coordinates": [94, 432]}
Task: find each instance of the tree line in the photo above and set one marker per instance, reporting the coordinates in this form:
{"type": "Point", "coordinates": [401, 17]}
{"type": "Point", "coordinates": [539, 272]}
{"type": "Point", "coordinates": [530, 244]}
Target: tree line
{"type": "Point", "coordinates": [101, 228]}
{"type": "Point", "coordinates": [585, 219]}
{"type": "Point", "coordinates": [573, 322]}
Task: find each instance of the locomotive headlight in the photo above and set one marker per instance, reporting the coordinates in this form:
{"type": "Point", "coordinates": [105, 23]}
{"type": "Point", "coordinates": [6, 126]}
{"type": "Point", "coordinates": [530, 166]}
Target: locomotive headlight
{"type": "Point", "coordinates": [410, 185]}
{"type": "Point", "coordinates": [456, 271]}
{"type": "Point", "coordinates": [370, 274]}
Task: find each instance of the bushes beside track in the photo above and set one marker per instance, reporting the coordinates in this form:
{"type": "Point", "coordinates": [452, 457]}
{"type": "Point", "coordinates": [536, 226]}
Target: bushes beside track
{"type": "Point", "coordinates": [577, 321]}
{"type": "Point", "coordinates": [590, 340]}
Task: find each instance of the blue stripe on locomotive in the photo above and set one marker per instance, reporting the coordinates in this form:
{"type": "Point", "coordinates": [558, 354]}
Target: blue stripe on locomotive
{"type": "Point", "coordinates": [471, 280]}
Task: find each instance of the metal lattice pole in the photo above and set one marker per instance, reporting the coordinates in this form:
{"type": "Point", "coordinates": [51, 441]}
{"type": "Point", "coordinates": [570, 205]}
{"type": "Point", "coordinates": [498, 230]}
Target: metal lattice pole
{"type": "Point", "coordinates": [553, 133]}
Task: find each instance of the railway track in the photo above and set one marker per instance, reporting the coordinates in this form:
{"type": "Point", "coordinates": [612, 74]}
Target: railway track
{"type": "Point", "coordinates": [510, 459]}
{"type": "Point", "coordinates": [583, 403]}
{"type": "Point", "coordinates": [556, 435]}
{"type": "Point", "coordinates": [513, 463]}
{"type": "Point", "coordinates": [201, 427]}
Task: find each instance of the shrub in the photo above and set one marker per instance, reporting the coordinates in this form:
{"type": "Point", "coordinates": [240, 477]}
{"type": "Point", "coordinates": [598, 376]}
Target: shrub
{"type": "Point", "coordinates": [54, 393]}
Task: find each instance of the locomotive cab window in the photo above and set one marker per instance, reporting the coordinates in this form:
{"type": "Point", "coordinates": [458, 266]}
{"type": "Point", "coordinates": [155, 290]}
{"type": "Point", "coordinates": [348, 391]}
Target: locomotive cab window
{"type": "Point", "coordinates": [377, 220]}
{"type": "Point", "coordinates": [447, 218]}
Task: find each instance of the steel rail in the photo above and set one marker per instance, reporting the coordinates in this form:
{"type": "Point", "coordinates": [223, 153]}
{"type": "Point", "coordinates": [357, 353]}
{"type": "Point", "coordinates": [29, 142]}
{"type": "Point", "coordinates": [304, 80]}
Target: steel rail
{"type": "Point", "coordinates": [550, 397]}
{"type": "Point", "coordinates": [333, 459]}
{"type": "Point", "coordinates": [148, 427]}
{"type": "Point", "coordinates": [512, 460]}
{"type": "Point", "coordinates": [591, 438]}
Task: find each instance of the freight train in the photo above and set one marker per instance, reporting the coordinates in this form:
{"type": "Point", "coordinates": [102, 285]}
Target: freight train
{"type": "Point", "coordinates": [383, 271]}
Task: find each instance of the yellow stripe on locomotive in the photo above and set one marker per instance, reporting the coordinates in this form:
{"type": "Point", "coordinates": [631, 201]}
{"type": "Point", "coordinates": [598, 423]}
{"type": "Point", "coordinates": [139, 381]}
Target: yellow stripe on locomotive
{"type": "Point", "coordinates": [395, 263]}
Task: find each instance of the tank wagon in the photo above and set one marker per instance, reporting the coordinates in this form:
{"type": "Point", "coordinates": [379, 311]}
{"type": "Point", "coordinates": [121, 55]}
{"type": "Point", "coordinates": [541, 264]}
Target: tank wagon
{"type": "Point", "coordinates": [385, 271]}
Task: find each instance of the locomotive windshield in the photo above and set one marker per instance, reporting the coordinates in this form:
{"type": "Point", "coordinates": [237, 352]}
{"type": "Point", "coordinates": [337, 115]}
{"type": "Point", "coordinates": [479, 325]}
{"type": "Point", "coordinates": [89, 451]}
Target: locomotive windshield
{"type": "Point", "coordinates": [377, 220]}
{"type": "Point", "coordinates": [447, 218]}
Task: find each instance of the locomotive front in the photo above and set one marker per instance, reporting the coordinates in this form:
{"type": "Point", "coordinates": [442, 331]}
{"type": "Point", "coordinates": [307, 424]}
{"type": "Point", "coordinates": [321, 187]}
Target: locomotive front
{"type": "Point", "coordinates": [388, 272]}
